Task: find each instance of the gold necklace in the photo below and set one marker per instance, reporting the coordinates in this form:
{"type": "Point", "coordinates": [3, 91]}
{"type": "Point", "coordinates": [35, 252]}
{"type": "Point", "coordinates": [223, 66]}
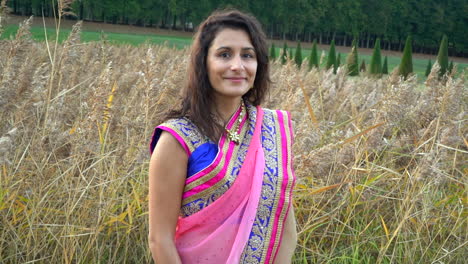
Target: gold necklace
{"type": "Point", "coordinates": [233, 134]}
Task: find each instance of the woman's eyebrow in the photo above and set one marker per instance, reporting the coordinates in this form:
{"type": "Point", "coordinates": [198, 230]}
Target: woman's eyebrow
{"type": "Point", "coordinates": [223, 47]}
{"type": "Point", "coordinates": [229, 48]}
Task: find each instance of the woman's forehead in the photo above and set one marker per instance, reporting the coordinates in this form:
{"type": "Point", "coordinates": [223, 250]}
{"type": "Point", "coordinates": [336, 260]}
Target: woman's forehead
{"type": "Point", "coordinates": [232, 38]}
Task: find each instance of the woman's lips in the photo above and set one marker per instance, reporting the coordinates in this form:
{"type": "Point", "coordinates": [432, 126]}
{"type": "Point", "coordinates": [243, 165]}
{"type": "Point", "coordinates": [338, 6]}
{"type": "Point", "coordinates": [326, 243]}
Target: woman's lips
{"type": "Point", "coordinates": [236, 79]}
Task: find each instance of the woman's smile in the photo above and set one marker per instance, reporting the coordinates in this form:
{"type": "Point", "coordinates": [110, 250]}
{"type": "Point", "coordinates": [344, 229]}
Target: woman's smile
{"type": "Point", "coordinates": [236, 79]}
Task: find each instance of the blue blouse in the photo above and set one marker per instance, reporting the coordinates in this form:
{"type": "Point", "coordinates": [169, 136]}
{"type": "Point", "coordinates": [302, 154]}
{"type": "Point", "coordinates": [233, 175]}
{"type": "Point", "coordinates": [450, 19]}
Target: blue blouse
{"type": "Point", "coordinates": [203, 155]}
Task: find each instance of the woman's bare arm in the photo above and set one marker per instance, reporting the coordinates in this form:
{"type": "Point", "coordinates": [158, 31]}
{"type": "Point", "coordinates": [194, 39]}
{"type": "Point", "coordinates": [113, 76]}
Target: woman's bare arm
{"type": "Point", "coordinates": [289, 241]}
{"type": "Point", "coordinates": [167, 174]}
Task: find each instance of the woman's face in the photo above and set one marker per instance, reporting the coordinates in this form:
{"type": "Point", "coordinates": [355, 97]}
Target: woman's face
{"type": "Point", "coordinates": [231, 63]}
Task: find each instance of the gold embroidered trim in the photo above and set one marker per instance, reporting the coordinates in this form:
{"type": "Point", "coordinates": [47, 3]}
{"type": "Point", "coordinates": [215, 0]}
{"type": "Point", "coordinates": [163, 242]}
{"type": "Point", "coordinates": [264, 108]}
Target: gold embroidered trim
{"type": "Point", "coordinates": [213, 190]}
{"type": "Point", "coordinates": [194, 139]}
{"type": "Point", "coordinates": [213, 173]}
{"type": "Point", "coordinates": [254, 249]}
{"type": "Point", "coordinates": [278, 185]}
{"type": "Point", "coordinates": [288, 187]}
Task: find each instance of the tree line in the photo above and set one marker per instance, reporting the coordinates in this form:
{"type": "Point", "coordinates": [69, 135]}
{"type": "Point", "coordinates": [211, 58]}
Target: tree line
{"type": "Point", "coordinates": [300, 20]}
{"type": "Point", "coordinates": [376, 69]}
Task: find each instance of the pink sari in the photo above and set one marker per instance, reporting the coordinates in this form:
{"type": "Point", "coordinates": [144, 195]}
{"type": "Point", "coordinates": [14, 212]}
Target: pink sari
{"type": "Point", "coordinates": [243, 222]}
{"type": "Point", "coordinates": [219, 232]}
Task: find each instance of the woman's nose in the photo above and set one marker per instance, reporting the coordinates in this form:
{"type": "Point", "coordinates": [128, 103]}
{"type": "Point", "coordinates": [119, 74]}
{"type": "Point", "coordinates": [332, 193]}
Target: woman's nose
{"type": "Point", "coordinates": [236, 63]}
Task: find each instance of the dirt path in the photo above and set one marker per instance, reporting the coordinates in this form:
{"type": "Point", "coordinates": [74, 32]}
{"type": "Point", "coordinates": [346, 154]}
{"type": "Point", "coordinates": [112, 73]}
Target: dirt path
{"type": "Point", "coordinates": [127, 29]}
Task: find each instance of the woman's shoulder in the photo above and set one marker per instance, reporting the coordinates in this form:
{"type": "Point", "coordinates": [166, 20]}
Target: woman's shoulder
{"type": "Point", "coordinates": [179, 123]}
{"type": "Point", "coordinates": [277, 125]}
{"type": "Point", "coordinates": [274, 110]}
{"type": "Point", "coordinates": [280, 119]}
{"type": "Point", "coordinates": [268, 111]}
{"type": "Point", "coordinates": [277, 114]}
{"type": "Point", "coordinates": [182, 129]}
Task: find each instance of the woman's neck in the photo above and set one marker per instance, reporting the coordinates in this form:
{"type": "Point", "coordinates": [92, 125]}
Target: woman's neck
{"type": "Point", "coordinates": [226, 107]}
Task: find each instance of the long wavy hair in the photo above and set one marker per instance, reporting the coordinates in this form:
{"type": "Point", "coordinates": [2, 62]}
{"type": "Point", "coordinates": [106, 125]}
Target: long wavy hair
{"type": "Point", "coordinates": [197, 95]}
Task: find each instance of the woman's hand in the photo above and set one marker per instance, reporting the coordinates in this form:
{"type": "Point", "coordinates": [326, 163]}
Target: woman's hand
{"type": "Point", "coordinates": [167, 174]}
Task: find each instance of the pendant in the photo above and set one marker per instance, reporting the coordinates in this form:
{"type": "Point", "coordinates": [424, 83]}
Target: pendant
{"type": "Point", "coordinates": [234, 137]}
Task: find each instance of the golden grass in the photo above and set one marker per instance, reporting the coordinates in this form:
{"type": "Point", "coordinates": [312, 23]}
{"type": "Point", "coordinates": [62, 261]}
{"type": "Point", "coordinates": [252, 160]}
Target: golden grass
{"type": "Point", "coordinates": [381, 163]}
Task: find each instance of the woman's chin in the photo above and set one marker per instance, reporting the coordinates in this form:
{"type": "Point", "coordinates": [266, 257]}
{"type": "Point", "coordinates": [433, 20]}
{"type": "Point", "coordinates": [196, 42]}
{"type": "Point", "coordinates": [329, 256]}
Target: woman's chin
{"type": "Point", "coordinates": [232, 92]}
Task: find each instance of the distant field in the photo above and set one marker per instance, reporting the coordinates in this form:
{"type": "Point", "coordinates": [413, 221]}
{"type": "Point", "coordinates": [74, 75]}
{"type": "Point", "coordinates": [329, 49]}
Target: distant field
{"type": "Point", "coordinates": [419, 65]}
{"type": "Point", "coordinates": [114, 38]}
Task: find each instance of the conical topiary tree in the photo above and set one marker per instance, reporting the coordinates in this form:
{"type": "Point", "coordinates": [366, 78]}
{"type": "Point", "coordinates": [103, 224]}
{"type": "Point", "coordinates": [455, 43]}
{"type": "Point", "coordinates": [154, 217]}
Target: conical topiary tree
{"type": "Point", "coordinates": [362, 68]}
{"type": "Point", "coordinates": [406, 65]}
{"type": "Point", "coordinates": [313, 57]}
{"type": "Point", "coordinates": [442, 56]}
{"type": "Point", "coordinates": [272, 52]}
{"type": "Point", "coordinates": [385, 66]}
{"type": "Point", "coordinates": [428, 68]}
{"type": "Point", "coordinates": [337, 63]}
{"type": "Point", "coordinates": [284, 54]}
{"type": "Point", "coordinates": [450, 67]}
{"type": "Point", "coordinates": [331, 56]}
{"type": "Point", "coordinates": [376, 60]}
{"type": "Point", "coordinates": [298, 55]}
{"type": "Point", "coordinates": [291, 54]}
{"type": "Point", "coordinates": [352, 64]}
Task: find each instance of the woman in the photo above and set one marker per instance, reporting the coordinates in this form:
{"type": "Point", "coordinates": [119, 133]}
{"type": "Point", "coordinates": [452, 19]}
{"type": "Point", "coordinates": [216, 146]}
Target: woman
{"type": "Point", "coordinates": [221, 178]}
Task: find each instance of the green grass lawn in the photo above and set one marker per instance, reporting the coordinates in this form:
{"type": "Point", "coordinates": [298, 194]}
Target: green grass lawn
{"type": "Point", "coordinates": [419, 65]}
{"type": "Point", "coordinates": [114, 38]}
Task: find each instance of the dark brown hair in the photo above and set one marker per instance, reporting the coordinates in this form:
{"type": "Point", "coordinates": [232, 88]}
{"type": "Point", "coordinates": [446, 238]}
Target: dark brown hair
{"type": "Point", "coordinates": [197, 96]}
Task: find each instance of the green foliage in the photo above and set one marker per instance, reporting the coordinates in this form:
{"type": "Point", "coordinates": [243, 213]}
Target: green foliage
{"type": "Point", "coordinates": [376, 60]}
{"type": "Point", "coordinates": [354, 44]}
{"type": "Point", "coordinates": [385, 66]}
{"type": "Point", "coordinates": [337, 63]}
{"type": "Point", "coordinates": [362, 68]}
{"type": "Point", "coordinates": [331, 56]}
{"type": "Point", "coordinates": [283, 17]}
{"type": "Point", "coordinates": [284, 54]}
{"type": "Point", "coordinates": [406, 65]}
{"type": "Point", "coordinates": [428, 68]}
{"type": "Point", "coordinates": [181, 42]}
{"type": "Point", "coordinates": [298, 55]}
{"type": "Point", "coordinates": [442, 57]}
{"type": "Point", "coordinates": [272, 52]}
{"type": "Point", "coordinates": [352, 63]}
{"type": "Point", "coordinates": [450, 67]}
{"type": "Point", "coordinates": [313, 57]}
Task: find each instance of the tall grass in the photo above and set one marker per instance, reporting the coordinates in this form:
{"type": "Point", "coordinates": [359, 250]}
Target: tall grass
{"type": "Point", "coordinates": [381, 164]}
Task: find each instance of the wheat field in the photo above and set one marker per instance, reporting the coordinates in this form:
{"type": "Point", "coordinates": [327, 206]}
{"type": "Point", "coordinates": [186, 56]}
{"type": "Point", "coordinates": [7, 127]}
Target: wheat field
{"type": "Point", "coordinates": [381, 163]}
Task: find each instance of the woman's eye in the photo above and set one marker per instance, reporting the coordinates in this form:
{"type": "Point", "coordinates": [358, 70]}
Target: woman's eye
{"type": "Point", "coordinates": [224, 55]}
{"type": "Point", "coordinates": [227, 55]}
